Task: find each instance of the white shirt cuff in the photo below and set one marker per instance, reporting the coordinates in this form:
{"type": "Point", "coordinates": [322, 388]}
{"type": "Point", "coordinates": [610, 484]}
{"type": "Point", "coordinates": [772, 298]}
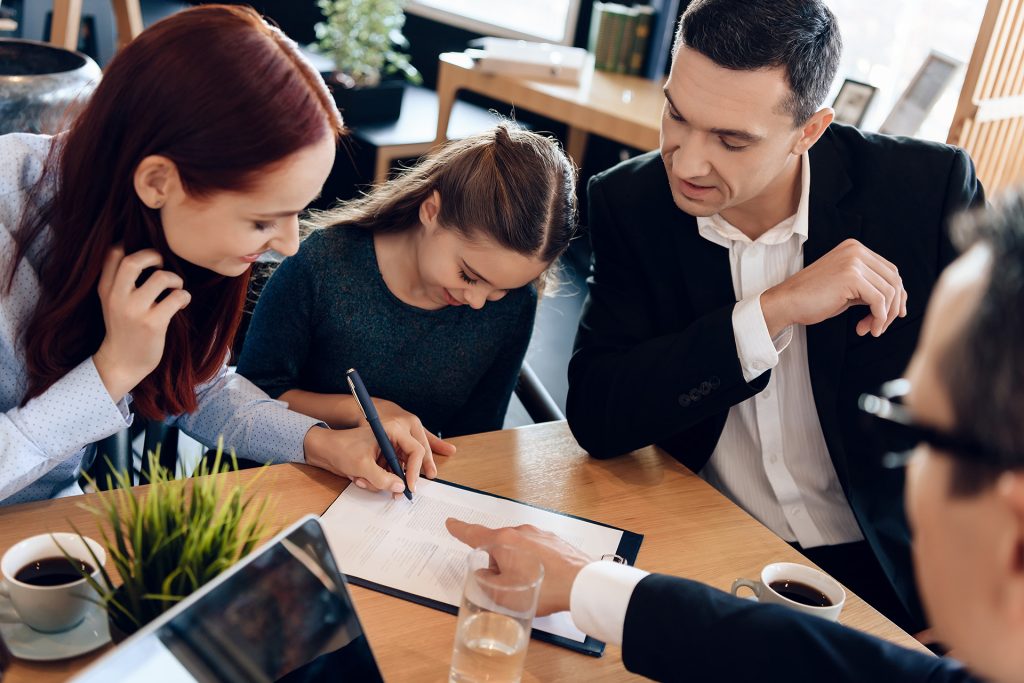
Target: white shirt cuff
{"type": "Point", "coordinates": [600, 597]}
{"type": "Point", "coordinates": [756, 350]}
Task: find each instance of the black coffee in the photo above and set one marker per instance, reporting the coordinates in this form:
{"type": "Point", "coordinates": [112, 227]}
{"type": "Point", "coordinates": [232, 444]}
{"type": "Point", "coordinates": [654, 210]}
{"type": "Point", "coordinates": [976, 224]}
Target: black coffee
{"type": "Point", "coordinates": [53, 571]}
{"type": "Point", "coordinates": [800, 592]}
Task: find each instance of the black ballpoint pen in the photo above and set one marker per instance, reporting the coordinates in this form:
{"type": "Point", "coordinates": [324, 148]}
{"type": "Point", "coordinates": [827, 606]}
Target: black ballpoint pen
{"type": "Point", "coordinates": [365, 403]}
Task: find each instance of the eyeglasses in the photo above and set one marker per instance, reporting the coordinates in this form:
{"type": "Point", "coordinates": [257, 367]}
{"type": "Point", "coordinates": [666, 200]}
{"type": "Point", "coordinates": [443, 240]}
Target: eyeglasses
{"type": "Point", "coordinates": [899, 434]}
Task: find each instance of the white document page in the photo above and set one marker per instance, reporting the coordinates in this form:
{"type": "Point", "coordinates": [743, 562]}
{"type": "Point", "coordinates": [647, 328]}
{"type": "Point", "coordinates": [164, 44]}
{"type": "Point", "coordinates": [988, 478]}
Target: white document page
{"type": "Point", "coordinates": [404, 545]}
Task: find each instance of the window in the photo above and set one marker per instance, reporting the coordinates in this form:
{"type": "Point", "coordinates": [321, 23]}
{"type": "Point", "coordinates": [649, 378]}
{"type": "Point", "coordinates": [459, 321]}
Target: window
{"type": "Point", "coordinates": [552, 21]}
{"type": "Point", "coordinates": [885, 43]}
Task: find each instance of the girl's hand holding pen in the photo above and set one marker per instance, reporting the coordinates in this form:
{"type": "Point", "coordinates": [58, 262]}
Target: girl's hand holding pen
{"type": "Point", "coordinates": [410, 470]}
{"type": "Point", "coordinates": [431, 443]}
{"type": "Point", "coordinates": [354, 454]}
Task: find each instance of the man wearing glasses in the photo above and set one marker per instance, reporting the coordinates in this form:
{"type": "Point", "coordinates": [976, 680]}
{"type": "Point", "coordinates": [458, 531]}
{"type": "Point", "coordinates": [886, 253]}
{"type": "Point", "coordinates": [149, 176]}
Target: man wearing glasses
{"type": "Point", "coordinates": [961, 411]}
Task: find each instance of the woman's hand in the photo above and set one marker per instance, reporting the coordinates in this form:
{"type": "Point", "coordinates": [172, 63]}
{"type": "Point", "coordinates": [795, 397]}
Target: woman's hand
{"type": "Point", "coordinates": [136, 322]}
{"type": "Point", "coordinates": [354, 453]}
{"type": "Point", "coordinates": [406, 420]}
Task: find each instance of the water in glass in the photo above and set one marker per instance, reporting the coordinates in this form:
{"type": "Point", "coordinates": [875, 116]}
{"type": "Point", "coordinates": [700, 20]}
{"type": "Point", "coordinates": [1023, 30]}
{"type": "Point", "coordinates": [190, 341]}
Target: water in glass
{"type": "Point", "coordinates": [489, 647]}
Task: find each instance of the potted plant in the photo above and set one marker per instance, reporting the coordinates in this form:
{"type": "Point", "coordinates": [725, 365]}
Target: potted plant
{"type": "Point", "coordinates": [364, 41]}
{"type": "Point", "coordinates": [169, 540]}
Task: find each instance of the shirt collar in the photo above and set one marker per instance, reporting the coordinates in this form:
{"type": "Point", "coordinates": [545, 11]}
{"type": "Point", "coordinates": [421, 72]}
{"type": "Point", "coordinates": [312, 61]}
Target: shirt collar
{"type": "Point", "coordinates": [716, 229]}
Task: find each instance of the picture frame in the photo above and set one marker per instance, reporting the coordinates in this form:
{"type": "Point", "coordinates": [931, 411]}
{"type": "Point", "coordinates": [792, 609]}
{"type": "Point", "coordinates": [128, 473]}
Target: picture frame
{"type": "Point", "coordinates": [852, 102]}
{"type": "Point", "coordinates": [921, 94]}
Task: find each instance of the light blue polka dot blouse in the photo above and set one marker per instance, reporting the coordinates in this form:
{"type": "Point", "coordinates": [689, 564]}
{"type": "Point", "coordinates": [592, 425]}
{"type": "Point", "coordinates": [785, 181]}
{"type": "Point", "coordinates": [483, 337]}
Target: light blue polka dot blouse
{"type": "Point", "coordinates": [43, 443]}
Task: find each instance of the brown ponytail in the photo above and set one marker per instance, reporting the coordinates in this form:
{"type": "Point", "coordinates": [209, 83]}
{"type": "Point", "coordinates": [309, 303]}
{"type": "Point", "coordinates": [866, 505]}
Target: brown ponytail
{"type": "Point", "coordinates": [512, 185]}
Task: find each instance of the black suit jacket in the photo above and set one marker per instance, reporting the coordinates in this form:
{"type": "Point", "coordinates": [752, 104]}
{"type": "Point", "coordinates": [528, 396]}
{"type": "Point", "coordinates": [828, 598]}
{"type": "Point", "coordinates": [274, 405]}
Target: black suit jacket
{"type": "Point", "coordinates": [680, 630]}
{"type": "Point", "coordinates": [655, 358]}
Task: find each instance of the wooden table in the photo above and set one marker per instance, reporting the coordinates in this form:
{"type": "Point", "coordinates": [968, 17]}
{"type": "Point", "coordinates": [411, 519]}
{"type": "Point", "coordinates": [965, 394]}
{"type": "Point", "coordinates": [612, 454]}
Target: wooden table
{"type": "Point", "coordinates": [626, 109]}
{"type": "Point", "coordinates": [67, 20]}
{"type": "Point", "coordinates": [689, 530]}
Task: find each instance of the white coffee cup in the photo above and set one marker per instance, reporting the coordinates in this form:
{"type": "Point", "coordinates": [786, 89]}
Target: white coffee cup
{"type": "Point", "coordinates": [787, 571]}
{"type": "Point", "coordinates": [49, 609]}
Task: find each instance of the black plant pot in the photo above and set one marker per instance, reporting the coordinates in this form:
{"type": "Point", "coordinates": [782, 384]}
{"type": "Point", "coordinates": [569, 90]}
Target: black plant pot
{"type": "Point", "coordinates": [121, 627]}
{"type": "Point", "coordinates": [381, 103]}
{"type": "Point", "coordinates": [117, 634]}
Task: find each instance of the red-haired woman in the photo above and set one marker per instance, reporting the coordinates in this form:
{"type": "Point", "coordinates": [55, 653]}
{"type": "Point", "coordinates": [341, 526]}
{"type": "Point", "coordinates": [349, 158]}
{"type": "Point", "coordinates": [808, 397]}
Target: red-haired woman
{"type": "Point", "coordinates": [126, 245]}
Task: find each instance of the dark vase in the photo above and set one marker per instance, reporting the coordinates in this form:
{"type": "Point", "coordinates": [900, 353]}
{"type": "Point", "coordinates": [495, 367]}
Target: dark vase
{"type": "Point", "coordinates": [381, 103]}
{"type": "Point", "coordinates": [42, 86]}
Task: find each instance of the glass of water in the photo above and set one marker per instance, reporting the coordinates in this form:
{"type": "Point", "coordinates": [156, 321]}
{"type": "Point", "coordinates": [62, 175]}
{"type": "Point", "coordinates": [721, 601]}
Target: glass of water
{"type": "Point", "coordinates": [496, 615]}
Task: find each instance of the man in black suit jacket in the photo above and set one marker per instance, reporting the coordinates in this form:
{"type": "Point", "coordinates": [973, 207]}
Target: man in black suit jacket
{"type": "Point", "coordinates": [965, 498]}
{"type": "Point", "coordinates": [717, 322]}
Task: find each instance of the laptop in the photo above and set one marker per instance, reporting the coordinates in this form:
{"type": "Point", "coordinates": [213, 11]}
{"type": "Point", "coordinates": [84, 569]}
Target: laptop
{"type": "Point", "coordinates": [283, 613]}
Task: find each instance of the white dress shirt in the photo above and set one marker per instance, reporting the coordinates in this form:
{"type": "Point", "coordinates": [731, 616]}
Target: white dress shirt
{"type": "Point", "coordinates": [771, 458]}
{"type": "Point", "coordinates": [600, 597]}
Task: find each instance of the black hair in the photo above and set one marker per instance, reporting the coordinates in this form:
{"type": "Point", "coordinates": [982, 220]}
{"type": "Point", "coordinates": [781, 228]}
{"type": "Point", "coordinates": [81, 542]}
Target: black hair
{"type": "Point", "coordinates": [983, 369]}
{"type": "Point", "coordinates": [802, 36]}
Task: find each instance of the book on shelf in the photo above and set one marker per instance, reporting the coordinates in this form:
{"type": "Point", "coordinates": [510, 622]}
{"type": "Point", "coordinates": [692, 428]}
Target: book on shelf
{"type": "Point", "coordinates": [644, 19]}
{"type": "Point", "coordinates": [619, 36]}
{"type": "Point", "coordinates": [602, 43]}
{"type": "Point", "coordinates": [625, 59]}
{"type": "Point", "coordinates": [618, 14]}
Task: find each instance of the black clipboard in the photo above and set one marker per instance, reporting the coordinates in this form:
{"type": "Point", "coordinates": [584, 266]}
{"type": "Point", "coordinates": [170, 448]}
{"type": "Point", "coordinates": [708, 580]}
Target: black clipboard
{"type": "Point", "coordinates": [629, 547]}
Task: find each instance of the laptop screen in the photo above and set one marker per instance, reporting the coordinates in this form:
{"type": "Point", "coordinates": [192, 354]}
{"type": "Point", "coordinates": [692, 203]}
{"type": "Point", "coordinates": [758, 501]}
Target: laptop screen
{"type": "Point", "coordinates": [283, 615]}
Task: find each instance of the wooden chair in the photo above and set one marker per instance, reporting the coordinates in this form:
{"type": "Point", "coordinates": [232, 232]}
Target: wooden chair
{"type": "Point", "coordinates": [67, 18]}
{"type": "Point", "coordinates": [989, 119]}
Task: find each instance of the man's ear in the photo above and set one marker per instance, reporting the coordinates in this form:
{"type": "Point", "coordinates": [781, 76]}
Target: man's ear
{"type": "Point", "coordinates": [153, 179]}
{"type": "Point", "coordinates": [813, 129]}
{"type": "Point", "coordinates": [1010, 490]}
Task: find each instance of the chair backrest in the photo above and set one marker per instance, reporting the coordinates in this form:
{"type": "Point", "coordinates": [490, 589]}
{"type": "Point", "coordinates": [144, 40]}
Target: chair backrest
{"type": "Point", "coordinates": [116, 454]}
{"type": "Point", "coordinates": [536, 399]}
{"type": "Point", "coordinates": [989, 119]}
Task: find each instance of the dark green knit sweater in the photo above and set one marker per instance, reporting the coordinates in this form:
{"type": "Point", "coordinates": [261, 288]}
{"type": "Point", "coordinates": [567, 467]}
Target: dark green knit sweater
{"type": "Point", "coordinates": [327, 309]}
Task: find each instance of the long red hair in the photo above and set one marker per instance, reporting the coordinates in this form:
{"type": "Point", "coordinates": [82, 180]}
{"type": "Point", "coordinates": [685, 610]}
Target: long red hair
{"type": "Point", "coordinates": [221, 94]}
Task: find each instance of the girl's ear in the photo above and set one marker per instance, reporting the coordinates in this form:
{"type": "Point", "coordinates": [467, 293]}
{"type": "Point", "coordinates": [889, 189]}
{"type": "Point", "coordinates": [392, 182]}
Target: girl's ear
{"type": "Point", "coordinates": [430, 209]}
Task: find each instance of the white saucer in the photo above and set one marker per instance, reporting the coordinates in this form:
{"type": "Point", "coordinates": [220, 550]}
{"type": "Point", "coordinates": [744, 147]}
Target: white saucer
{"type": "Point", "coordinates": [27, 643]}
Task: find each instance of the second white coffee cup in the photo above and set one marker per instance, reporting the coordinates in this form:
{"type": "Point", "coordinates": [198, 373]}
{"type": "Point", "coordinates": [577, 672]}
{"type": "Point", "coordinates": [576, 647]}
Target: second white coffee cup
{"type": "Point", "coordinates": [789, 572]}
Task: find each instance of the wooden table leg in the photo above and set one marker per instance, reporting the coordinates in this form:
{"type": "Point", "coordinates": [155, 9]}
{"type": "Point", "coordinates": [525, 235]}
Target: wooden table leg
{"type": "Point", "coordinates": [576, 144]}
{"type": "Point", "coordinates": [128, 16]}
{"type": "Point", "coordinates": [67, 17]}
{"type": "Point", "coordinates": [448, 87]}
{"type": "Point", "coordinates": [382, 166]}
